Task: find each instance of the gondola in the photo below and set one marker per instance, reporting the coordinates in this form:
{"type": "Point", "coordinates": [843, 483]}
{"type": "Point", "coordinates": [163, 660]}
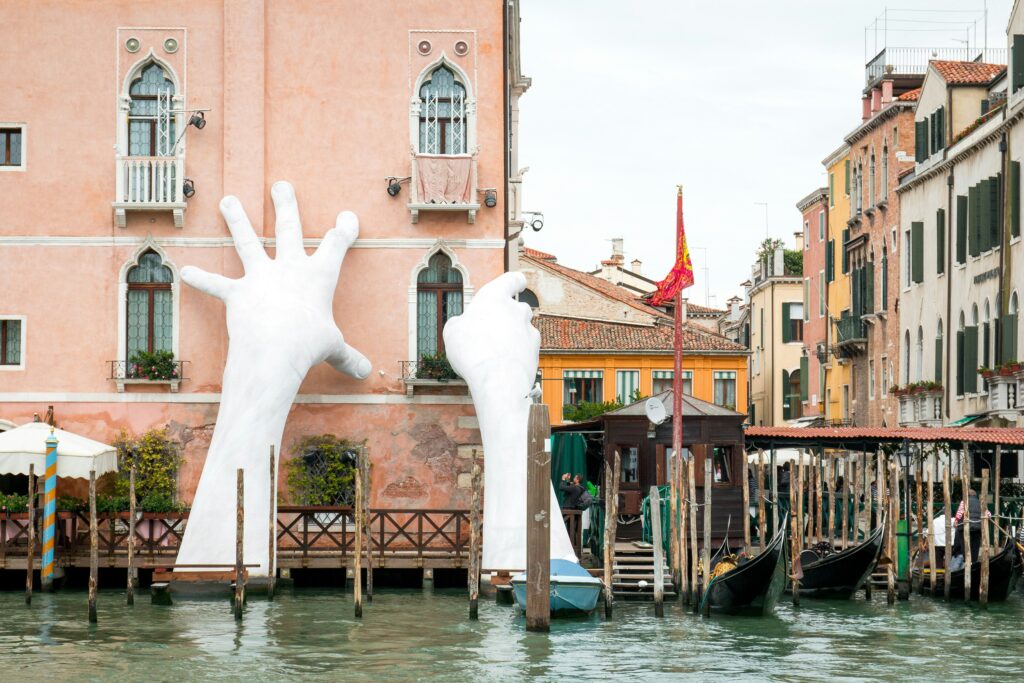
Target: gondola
{"type": "Point", "coordinates": [1004, 570]}
{"type": "Point", "coordinates": [754, 586]}
{"type": "Point", "coordinates": [839, 575]}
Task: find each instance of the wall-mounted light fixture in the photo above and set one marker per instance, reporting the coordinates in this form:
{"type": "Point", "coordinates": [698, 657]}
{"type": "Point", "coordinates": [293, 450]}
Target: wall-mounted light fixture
{"type": "Point", "coordinates": [537, 222]}
{"type": "Point", "coordinates": [395, 184]}
{"type": "Point", "coordinates": [188, 188]}
{"type": "Point", "coordinates": [490, 198]}
{"type": "Point", "coordinates": [198, 119]}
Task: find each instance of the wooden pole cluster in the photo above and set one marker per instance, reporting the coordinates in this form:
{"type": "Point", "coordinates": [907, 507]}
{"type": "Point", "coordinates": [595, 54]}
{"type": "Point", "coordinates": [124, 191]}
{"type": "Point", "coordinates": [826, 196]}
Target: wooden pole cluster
{"type": "Point", "coordinates": [475, 528]}
{"type": "Point", "coordinates": [272, 523]}
{"type": "Point", "coordinates": [239, 543]}
{"type": "Point", "coordinates": [846, 502]}
{"type": "Point", "coordinates": [30, 558]}
{"type": "Point", "coordinates": [794, 516]}
{"type": "Point", "coordinates": [893, 500]}
{"type": "Point", "coordinates": [760, 500]}
{"type": "Point", "coordinates": [869, 503]}
{"type": "Point", "coordinates": [130, 595]}
{"type": "Point", "coordinates": [932, 569]}
{"type": "Point", "coordinates": [919, 500]}
{"type": "Point", "coordinates": [684, 548]}
{"type": "Point", "coordinates": [538, 520]}
{"type": "Point", "coordinates": [855, 470]}
{"type": "Point", "coordinates": [996, 541]}
{"type": "Point", "coordinates": [819, 475]}
{"type": "Point", "coordinates": [746, 505]}
{"type": "Point", "coordinates": [659, 559]}
{"type": "Point", "coordinates": [94, 566]}
{"type": "Point", "coordinates": [983, 586]}
{"type": "Point", "coordinates": [965, 526]}
{"type": "Point", "coordinates": [694, 566]}
{"type": "Point", "coordinates": [948, 556]}
{"type": "Point", "coordinates": [357, 554]}
{"type": "Point", "coordinates": [364, 472]}
{"type": "Point", "coordinates": [828, 490]}
{"type": "Point", "coordinates": [708, 478]}
{"type": "Point", "coordinates": [672, 521]}
{"type": "Point", "coordinates": [611, 514]}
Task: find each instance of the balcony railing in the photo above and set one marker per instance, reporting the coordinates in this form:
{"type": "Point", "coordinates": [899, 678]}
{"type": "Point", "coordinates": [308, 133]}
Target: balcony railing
{"type": "Point", "coordinates": [443, 183]}
{"type": "Point", "coordinates": [851, 329]}
{"type": "Point", "coordinates": [429, 375]}
{"type": "Point", "coordinates": [150, 184]}
{"type": "Point", "coordinates": [908, 61]}
{"type": "Point", "coordinates": [126, 373]}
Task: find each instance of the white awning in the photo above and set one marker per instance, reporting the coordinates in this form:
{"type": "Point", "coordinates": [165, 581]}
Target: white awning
{"type": "Point", "coordinates": [76, 455]}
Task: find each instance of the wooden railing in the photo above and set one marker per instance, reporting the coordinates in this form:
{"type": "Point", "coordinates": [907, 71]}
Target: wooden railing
{"type": "Point", "coordinates": [302, 532]}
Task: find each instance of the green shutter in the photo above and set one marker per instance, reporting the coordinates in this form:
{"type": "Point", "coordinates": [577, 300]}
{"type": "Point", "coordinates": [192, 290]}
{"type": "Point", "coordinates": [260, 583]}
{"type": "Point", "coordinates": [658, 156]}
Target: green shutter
{"type": "Point", "coordinates": [938, 359]}
{"type": "Point", "coordinates": [830, 259]}
{"type": "Point", "coordinates": [855, 292]}
{"type": "Point", "coordinates": [846, 177]}
{"type": "Point", "coordinates": [997, 212]}
{"type": "Point", "coordinates": [933, 138]}
{"type": "Point", "coordinates": [1009, 341]}
{"type": "Point", "coordinates": [986, 343]}
{"type": "Point", "coordinates": [974, 221]}
{"type": "Point", "coordinates": [869, 297]}
{"type": "Point", "coordinates": [804, 370]}
{"type": "Point", "coordinates": [917, 251]}
{"type": "Point", "coordinates": [846, 256]}
{"type": "Point", "coordinates": [960, 337]}
{"type": "Point", "coordinates": [961, 229]}
{"type": "Point", "coordinates": [883, 303]}
{"type": "Point", "coordinates": [831, 191]}
{"type": "Point", "coordinates": [940, 241]}
{"type": "Point", "coordinates": [985, 220]}
{"type": "Point", "coordinates": [787, 406]}
{"type": "Point", "coordinates": [1014, 198]}
{"type": "Point", "coordinates": [786, 333]}
{"type": "Point", "coordinates": [920, 140]}
{"type": "Point", "coordinates": [971, 360]}
{"type": "Point", "coordinates": [940, 128]}
{"type": "Point", "coordinates": [1017, 59]}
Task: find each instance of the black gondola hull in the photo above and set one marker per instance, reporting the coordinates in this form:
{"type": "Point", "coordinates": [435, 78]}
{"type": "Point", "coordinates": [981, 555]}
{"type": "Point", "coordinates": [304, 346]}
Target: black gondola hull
{"type": "Point", "coordinates": [1003, 571]}
{"type": "Point", "coordinates": [754, 588]}
{"type": "Point", "coordinates": [838, 576]}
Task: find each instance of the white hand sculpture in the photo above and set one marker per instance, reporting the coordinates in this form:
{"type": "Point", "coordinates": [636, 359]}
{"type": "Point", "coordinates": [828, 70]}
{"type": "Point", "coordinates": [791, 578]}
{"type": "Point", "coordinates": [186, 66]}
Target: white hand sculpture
{"type": "Point", "coordinates": [280, 324]}
{"type": "Point", "coordinates": [493, 346]}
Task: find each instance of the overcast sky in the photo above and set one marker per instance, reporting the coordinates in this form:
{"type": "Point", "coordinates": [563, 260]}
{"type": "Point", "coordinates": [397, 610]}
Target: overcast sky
{"type": "Point", "coordinates": [738, 101]}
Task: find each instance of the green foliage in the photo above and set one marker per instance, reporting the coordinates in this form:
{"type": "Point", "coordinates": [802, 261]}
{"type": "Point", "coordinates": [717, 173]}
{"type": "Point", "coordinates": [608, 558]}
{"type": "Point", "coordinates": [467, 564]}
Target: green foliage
{"type": "Point", "coordinates": [794, 261]}
{"type": "Point", "coordinates": [156, 461]}
{"type": "Point", "coordinates": [435, 366]}
{"type": "Point", "coordinates": [13, 502]}
{"type": "Point", "coordinates": [586, 410]}
{"type": "Point", "coordinates": [323, 470]}
{"type": "Point", "coordinates": [156, 365]}
{"type": "Point", "coordinates": [71, 504]}
{"type": "Point", "coordinates": [106, 502]}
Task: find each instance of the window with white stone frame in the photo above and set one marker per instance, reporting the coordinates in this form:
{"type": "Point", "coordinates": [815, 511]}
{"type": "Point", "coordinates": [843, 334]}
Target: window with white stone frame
{"type": "Point", "coordinates": [12, 342]}
{"type": "Point", "coordinates": [12, 147]}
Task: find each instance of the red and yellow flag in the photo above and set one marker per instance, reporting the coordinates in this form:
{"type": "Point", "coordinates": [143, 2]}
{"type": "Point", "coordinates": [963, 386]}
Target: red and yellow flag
{"type": "Point", "coordinates": [681, 275]}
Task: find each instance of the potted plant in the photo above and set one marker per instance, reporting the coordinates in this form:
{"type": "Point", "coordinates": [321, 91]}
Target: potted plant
{"type": "Point", "coordinates": [1007, 369]}
{"type": "Point", "coordinates": [435, 366]}
{"type": "Point", "coordinates": [986, 372]}
{"type": "Point", "coordinates": [158, 365]}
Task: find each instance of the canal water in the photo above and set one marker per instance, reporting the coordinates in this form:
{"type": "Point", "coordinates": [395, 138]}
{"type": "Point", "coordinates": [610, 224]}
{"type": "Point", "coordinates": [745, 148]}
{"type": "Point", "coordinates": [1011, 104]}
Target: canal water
{"type": "Point", "coordinates": [413, 635]}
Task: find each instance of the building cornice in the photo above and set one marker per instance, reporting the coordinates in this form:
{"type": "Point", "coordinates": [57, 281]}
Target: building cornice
{"type": "Point", "coordinates": [689, 353]}
{"type": "Point", "coordinates": [820, 194]}
{"type": "Point", "coordinates": [893, 108]}
{"type": "Point", "coordinates": [833, 158]}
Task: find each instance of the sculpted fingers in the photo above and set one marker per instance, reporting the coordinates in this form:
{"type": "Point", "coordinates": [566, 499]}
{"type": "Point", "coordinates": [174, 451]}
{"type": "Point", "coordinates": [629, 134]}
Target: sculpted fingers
{"type": "Point", "coordinates": [347, 359]}
{"type": "Point", "coordinates": [507, 285]}
{"type": "Point", "coordinates": [246, 244]}
{"type": "Point", "coordinates": [336, 242]}
{"type": "Point", "coordinates": [288, 229]}
{"type": "Point", "coordinates": [210, 283]}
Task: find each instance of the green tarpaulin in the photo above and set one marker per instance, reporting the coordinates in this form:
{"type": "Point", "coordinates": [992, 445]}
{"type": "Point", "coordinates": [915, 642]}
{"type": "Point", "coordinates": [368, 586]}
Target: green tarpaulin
{"type": "Point", "coordinates": [568, 454]}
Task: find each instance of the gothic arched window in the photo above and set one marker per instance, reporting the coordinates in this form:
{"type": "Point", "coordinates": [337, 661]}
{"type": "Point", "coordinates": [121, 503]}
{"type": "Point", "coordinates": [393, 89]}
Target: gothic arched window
{"type": "Point", "coordinates": [438, 298]}
{"type": "Point", "coordinates": [150, 123]}
{"type": "Point", "coordinates": [149, 306]}
{"type": "Point", "coordinates": [442, 114]}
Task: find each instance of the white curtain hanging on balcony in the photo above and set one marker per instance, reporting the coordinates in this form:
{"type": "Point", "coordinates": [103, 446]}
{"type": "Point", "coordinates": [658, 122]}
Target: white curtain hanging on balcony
{"type": "Point", "coordinates": [76, 455]}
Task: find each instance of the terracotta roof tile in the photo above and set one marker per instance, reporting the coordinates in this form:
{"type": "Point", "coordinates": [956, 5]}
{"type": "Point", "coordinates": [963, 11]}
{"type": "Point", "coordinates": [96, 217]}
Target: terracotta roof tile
{"type": "Point", "coordinates": [539, 255]}
{"type": "Point", "coordinates": [601, 286]}
{"type": "Point", "coordinates": [704, 311]}
{"type": "Point", "coordinates": [578, 334]}
{"type": "Point", "coordinates": [910, 96]}
{"type": "Point", "coordinates": [1007, 436]}
{"type": "Point", "coordinates": [967, 73]}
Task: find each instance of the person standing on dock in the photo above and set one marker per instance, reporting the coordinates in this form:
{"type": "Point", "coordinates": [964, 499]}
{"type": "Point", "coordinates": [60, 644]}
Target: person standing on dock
{"type": "Point", "coordinates": [973, 507]}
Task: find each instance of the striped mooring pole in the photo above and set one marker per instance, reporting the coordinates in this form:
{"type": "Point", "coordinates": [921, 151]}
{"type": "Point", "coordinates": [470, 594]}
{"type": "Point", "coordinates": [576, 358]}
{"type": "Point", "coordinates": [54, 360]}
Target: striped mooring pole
{"type": "Point", "coordinates": [49, 511]}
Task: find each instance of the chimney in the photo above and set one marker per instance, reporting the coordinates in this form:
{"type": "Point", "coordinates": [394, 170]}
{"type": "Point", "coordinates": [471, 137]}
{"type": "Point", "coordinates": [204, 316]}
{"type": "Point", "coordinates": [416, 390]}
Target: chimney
{"type": "Point", "coordinates": [682, 310]}
{"type": "Point", "coordinates": [778, 268]}
{"type": "Point", "coordinates": [799, 235]}
{"type": "Point", "coordinates": [617, 253]}
{"type": "Point", "coordinates": [876, 100]}
{"type": "Point", "coordinates": [865, 108]}
{"type": "Point", "coordinates": [887, 91]}
{"type": "Point", "coordinates": [734, 308]}
{"type": "Point", "coordinates": [635, 266]}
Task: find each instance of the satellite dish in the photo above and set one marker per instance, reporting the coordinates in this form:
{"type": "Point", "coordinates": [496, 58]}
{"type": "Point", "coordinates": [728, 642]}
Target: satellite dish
{"type": "Point", "coordinates": [655, 410]}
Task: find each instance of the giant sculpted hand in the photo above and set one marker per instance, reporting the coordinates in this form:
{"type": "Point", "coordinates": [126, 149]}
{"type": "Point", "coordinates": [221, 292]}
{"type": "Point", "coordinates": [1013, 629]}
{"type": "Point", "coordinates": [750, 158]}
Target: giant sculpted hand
{"type": "Point", "coordinates": [493, 346]}
{"type": "Point", "coordinates": [280, 324]}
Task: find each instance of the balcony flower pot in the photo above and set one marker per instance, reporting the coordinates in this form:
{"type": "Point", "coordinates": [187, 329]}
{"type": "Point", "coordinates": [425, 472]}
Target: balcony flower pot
{"type": "Point", "coordinates": [987, 373]}
{"type": "Point", "coordinates": [1005, 372]}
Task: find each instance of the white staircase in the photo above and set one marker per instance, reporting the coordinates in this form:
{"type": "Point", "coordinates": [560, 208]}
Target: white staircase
{"type": "Point", "coordinates": [633, 573]}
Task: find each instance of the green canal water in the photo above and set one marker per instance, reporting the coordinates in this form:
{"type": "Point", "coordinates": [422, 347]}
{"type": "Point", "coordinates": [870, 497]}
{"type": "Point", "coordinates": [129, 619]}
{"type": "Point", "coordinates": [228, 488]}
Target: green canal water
{"type": "Point", "coordinates": [425, 635]}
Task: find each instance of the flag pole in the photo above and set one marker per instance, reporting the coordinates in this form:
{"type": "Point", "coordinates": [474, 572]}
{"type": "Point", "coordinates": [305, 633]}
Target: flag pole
{"type": "Point", "coordinates": [677, 368]}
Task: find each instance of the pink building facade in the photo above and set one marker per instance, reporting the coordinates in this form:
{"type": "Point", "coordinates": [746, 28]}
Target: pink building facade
{"type": "Point", "coordinates": [812, 210]}
{"type": "Point", "coordinates": [114, 192]}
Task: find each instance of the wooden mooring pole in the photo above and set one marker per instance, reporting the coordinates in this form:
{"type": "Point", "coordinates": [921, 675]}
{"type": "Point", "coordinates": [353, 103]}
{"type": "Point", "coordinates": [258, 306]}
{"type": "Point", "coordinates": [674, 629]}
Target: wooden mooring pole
{"type": "Point", "coordinates": [996, 483]}
{"type": "Point", "coordinates": [30, 558]}
{"type": "Point", "coordinates": [854, 470]}
{"type": "Point", "coordinates": [983, 586]}
{"type": "Point", "coordinates": [965, 526]}
{"type": "Point", "coordinates": [794, 536]}
{"type": "Point", "coordinates": [130, 595]}
{"type": "Point", "coordinates": [893, 498]}
{"type": "Point", "coordinates": [673, 517]}
{"type": "Point", "coordinates": [868, 514]}
{"type": "Point", "coordinates": [474, 541]}
{"type": "Point", "coordinates": [272, 523]}
{"type": "Point", "coordinates": [745, 515]}
{"type": "Point", "coordinates": [364, 471]}
{"type": "Point", "coordinates": [948, 556]}
{"type": "Point", "coordinates": [708, 479]}
{"type": "Point", "coordinates": [94, 565]}
{"type": "Point", "coordinates": [659, 559]}
{"type": "Point", "coordinates": [819, 470]}
{"type": "Point", "coordinates": [694, 598]}
{"type": "Point", "coordinates": [684, 547]}
{"type": "Point", "coordinates": [611, 514]}
{"type": "Point", "coordinates": [538, 520]}
{"type": "Point", "coordinates": [239, 543]}
{"type": "Point", "coordinates": [847, 472]}
{"type": "Point", "coordinates": [357, 554]}
{"type": "Point", "coordinates": [760, 500]}
{"type": "Point", "coordinates": [932, 569]}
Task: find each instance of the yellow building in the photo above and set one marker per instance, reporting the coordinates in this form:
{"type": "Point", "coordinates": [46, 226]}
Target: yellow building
{"type": "Point", "coordinates": [600, 343]}
{"type": "Point", "coordinates": [834, 295]}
